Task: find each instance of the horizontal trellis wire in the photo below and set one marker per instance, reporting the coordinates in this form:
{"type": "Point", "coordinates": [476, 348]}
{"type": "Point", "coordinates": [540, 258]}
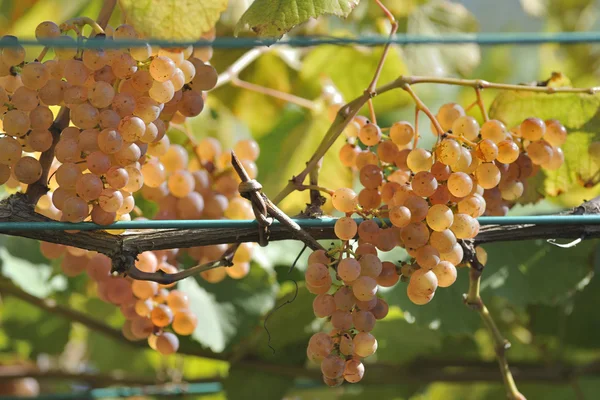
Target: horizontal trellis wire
{"type": "Point", "coordinates": [303, 223]}
{"type": "Point", "coordinates": [485, 39]}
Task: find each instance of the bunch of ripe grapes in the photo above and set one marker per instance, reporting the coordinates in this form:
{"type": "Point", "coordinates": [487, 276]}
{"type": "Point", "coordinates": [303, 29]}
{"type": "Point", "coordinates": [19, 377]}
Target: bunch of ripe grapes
{"type": "Point", "coordinates": [115, 149]}
{"type": "Point", "coordinates": [432, 200]}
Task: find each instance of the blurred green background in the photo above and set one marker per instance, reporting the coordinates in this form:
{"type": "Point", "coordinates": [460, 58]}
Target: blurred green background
{"type": "Point", "coordinates": [544, 298]}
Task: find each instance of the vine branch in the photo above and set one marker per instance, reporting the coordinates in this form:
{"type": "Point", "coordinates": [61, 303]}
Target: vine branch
{"type": "Point", "coordinates": [473, 300]}
{"type": "Point", "coordinates": [124, 248]}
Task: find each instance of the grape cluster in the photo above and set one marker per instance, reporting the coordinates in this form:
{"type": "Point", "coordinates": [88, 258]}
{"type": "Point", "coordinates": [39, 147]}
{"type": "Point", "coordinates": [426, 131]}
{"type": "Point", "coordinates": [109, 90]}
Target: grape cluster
{"type": "Point", "coordinates": [349, 301]}
{"type": "Point", "coordinates": [148, 307]}
{"type": "Point", "coordinates": [121, 103]}
{"type": "Point", "coordinates": [432, 200]}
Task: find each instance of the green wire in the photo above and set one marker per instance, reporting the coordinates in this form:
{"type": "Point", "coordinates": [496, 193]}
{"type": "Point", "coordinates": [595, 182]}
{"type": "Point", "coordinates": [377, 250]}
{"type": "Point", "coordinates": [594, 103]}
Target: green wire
{"type": "Point", "coordinates": [246, 224]}
{"type": "Point", "coordinates": [519, 38]}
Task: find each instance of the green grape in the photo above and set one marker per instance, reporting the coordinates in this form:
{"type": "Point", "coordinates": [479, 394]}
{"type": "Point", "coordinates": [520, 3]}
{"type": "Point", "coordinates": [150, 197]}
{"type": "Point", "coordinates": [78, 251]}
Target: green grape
{"type": "Point", "coordinates": [162, 68]}
{"type": "Point", "coordinates": [75, 209]}
{"type": "Point", "coordinates": [27, 170]}
{"type": "Point", "coordinates": [511, 190]}
{"type": "Point", "coordinates": [424, 184]}
{"type": "Point", "coordinates": [439, 217]}
{"type": "Point", "coordinates": [454, 256]}
{"type": "Point", "coordinates": [131, 128]}
{"type": "Point", "coordinates": [402, 133]}
{"type": "Point", "coordinates": [184, 322]}
{"type": "Point", "coordinates": [556, 133]}
{"type": "Point", "coordinates": [369, 134]}
{"type": "Point", "coordinates": [427, 257]}
{"type": "Point", "coordinates": [540, 152]}
{"type": "Point", "coordinates": [368, 231]}
{"type": "Point", "coordinates": [448, 113]}
{"type": "Point", "coordinates": [323, 305]}
{"type": "Point", "coordinates": [486, 150]}
{"type": "Point", "coordinates": [488, 175]}
{"type": "Point", "coordinates": [419, 160]}
{"type": "Point", "coordinates": [443, 241]}
{"type": "Point", "coordinates": [493, 130]}
{"type": "Point", "coordinates": [47, 30]}
{"type": "Point", "coordinates": [370, 265]}
{"type": "Point", "coordinates": [460, 184]}
{"type": "Point", "coordinates": [344, 200]}
{"type": "Point", "coordinates": [508, 151]}
{"type": "Point", "coordinates": [449, 152]}
{"type": "Point", "coordinates": [532, 129]}
{"type": "Point", "coordinates": [371, 176]}
{"type": "Point", "coordinates": [333, 366]}
{"type": "Point", "coordinates": [98, 162]}
{"type": "Point", "coordinates": [465, 126]}
{"type": "Point", "coordinates": [167, 343]}
{"type": "Point", "coordinates": [364, 288]}
{"type": "Point", "coordinates": [464, 226]}
{"type": "Point", "coordinates": [10, 150]}
{"type": "Point", "coordinates": [445, 273]}
{"type": "Point", "coordinates": [365, 344]}
{"type": "Point", "coordinates": [89, 187]}
{"type": "Point", "coordinates": [35, 75]}
{"type": "Point", "coordinates": [415, 235]}
{"type": "Point", "coordinates": [349, 269]}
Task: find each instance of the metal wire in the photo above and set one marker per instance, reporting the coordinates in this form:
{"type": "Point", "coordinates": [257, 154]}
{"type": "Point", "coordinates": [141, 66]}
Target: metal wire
{"type": "Point", "coordinates": [484, 39]}
{"type": "Point", "coordinates": [304, 223]}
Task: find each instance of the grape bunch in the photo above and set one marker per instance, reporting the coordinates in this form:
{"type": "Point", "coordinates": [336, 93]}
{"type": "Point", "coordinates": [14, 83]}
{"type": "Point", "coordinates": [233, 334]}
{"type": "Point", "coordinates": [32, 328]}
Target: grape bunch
{"type": "Point", "coordinates": [121, 102]}
{"type": "Point", "coordinates": [150, 308]}
{"type": "Point", "coordinates": [115, 150]}
{"type": "Point", "coordinates": [432, 200]}
{"type": "Point", "coordinates": [349, 301]}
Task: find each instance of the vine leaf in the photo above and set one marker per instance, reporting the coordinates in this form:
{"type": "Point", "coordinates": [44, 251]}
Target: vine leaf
{"type": "Point", "coordinates": [273, 18]}
{"type": "Point", "coordinates": [172, 19]}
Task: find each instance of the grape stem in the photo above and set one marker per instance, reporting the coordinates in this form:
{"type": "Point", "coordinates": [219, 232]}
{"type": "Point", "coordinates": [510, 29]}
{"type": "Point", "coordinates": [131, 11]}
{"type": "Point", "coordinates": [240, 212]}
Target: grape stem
{"type": "Point", "coordinates": [240, 64]}
{"type": "Point", "coordinates": [290, 98]}
{"type": "Point", "coordinates": [75, 23]}
{"type": "Point", "coordinates": [474, 301]}
{"type": "Point", "coordinates": [481, 104]}
{"type": "Point", "coordinates": [108, 7]}
{"type": "Point", "coordinates": [317, 188]}
{"type": "Point", "coordinates": [386, 49]}
{"type": "Point", "coordinates": [40, 187]}
{"type": "Point", "coordinates": [164, 278]}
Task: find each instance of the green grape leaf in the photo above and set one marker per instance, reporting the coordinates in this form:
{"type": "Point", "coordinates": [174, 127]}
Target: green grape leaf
{"type": "Point", "coordinates": [171, 20]}
{"type": "Point", "coordinates": [228, 310]}
{"type": "Point", "coordinates": [273, 18]}
{"type": "Point", "coordinates": [579, 112]}
{"type": "Point", "coordinates": [576, 317]}
{"type": "Point", "coordinates": [107, 355]}
{"type": "Point", "coordinates": [352, 72]}
{"type": "Point", "coordinates": [289, 325]}
{"type": "Point", "coordinates": [24, 322]}
{"type": "Point", "coordinates": [416, 340]}
{"type": "Point", "coordinates": [244, 383]}
{"type": "Point", "coordinates": [22, 262]}
{"type": "Point", "coordinates": [520, 272]}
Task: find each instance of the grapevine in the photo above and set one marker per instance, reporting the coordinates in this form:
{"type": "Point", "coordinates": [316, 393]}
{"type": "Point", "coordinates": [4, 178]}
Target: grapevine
{"type": "Point", "coordinates": [87, 137]}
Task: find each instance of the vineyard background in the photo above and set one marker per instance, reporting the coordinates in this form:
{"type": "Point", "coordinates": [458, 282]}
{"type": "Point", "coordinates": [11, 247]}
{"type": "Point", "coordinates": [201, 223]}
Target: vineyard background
{"type": "Point", "coordinates": [544, 297]}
